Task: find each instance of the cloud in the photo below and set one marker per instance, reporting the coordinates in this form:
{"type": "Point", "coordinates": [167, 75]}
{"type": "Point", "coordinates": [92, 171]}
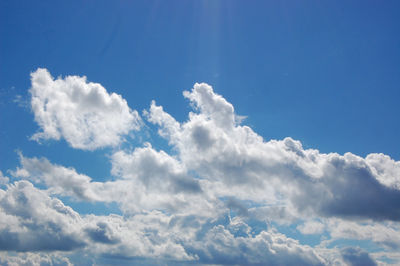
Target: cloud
{"type": "Point", "coordinates": [60, 180]}
{"type": "Point", "coordinates": [101, 233]}
{"type": "Point", "coordinates": [219, 197]}
{"type": "Point", "coordinates": [158, 181]}
{"type": "Point", "coordinates": [3, 179]}
{"type": "Point", "coordinates": [81, 112]}
{"type": "Point", "coordinates": [146, 234]}
{"type": "Point", "coordinates": [155, 170]}
{"type": "Point", "coordinates": [357, 257]}
{"type": "Point", "coordinates": [32, 221]}
{"type": "Point", "coordinates": [220, 246]}
{"type": "Point", "coordinates": [29, 258]}
{"type": "Point", "coordinates": [311, 227]}
{"type": "Point", "coordinates": [385, 169]}
{"type": "Point", "coordinates": [384, 234]}
{"type": "Point", "coordinates": [227, 154]}
{"type": "Point", "coordinates": [157, 235]}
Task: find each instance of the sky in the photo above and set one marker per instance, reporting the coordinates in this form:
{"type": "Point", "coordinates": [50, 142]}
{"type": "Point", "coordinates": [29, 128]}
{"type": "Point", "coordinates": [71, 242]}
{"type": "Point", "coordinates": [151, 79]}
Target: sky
{"type": "Point", "coordinates": [199, 132]}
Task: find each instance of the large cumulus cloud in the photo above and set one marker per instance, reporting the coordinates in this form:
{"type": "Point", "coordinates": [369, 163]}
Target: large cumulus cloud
{"type": "Point", "coordinates": [81, 112]}
{"type": "Point", "coordinates": [213, 144]}
{"type": "Point", "coordinates": [33, 221]}
{"type": "Point", "coordinates": [220, 197]}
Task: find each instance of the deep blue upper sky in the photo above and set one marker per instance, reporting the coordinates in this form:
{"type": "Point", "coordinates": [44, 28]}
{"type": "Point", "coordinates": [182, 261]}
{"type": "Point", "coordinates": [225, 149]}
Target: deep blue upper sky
{"type": "Point", "coordinates": [324, 72]}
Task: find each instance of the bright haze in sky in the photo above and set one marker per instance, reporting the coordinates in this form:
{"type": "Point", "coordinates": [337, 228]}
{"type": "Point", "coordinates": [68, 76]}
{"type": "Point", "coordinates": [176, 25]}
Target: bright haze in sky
{"type": "Point", "coordinates": [199, 132]}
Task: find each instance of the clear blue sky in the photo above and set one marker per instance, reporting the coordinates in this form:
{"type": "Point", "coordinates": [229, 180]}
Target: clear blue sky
{"type": "Point", "coordinates": [326, 73]}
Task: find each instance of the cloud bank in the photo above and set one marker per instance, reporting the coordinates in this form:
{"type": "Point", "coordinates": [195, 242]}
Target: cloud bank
{"type": "Point", "coordinates": [221, 194]}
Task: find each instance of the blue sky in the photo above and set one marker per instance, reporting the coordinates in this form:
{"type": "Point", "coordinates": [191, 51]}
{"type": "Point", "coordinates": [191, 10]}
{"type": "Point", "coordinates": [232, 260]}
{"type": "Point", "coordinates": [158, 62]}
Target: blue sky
{"type": "Point", "coordinates": [324, 73]}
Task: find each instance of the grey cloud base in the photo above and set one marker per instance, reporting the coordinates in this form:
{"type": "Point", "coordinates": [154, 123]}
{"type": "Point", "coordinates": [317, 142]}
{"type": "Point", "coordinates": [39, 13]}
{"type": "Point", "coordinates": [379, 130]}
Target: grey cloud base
{"type": "Point", "coordinates": [222, 198]}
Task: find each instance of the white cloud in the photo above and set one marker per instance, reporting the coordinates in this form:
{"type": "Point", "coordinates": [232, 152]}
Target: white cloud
{"type": "Point", "coordinates": [81, 112]}
{"type": "Point", "coordinates": [34, 259]}
{"type": "Point", "coordinates": [155, 170]}
{"type": "Point", "coordinates": [356, 256]}
{"type": "Point", "coordinates": [212, 202]}
{"type": "Point", "coordinates": [311, 227]}
{"type": "Point", "coordinates": [212, 105]}
{"type": "Point", "coordinates": [238, 162]}
{"type": "Point", "coordinates": [386, 170]}
{"type": "Point", "coordinates": [385, 234]}
{"type": "Point", "coordinates": [160, 182]}
{"type": "Point", "coordinates": [60, 180]}
{"type": "Point", "coordinates": [3, 179]}
{"type": "Point", "coordinates": [145, 235]}
{"type": "Point", "coordinates": [146, 180]}
{"type": "Point", "coordinates": [220, 246]}
{"type": "Point", "coordinates": [32, 221]}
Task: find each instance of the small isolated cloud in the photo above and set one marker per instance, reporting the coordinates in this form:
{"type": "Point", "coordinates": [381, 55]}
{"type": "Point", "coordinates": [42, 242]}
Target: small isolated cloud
{"type": "Point", "coordinates": [81, 112]}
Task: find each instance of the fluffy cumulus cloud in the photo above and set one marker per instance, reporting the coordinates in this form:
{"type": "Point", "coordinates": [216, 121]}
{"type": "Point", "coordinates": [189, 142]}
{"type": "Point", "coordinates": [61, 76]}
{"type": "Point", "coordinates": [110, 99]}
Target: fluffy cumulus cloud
{"type": "Point", "coordinates": [33, 221]}
{"type": "Point", "coordinates": [81, 112]}
{"type": "Point", "coordinates": [221, 194]}
{"type": "Point", "coordinates": [59, 180]}
{"type": "Point", "coordinates": [330, 185]}
{"type": "Point", "coordinates": [267, 248]}
{"type": "Point", "coordinates": [288, 181]}
{"type": "Point", "coordinates": [33, 259]}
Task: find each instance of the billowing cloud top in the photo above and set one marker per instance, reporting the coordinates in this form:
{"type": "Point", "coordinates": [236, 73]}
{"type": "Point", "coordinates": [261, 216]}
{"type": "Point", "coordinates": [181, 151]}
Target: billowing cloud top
{"type": "Point", "coordinates": [212, 144]}
{"type": "Point", "coordinates": [81, 112]}
{"type": "Point", "coordinates": [225, 196]}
